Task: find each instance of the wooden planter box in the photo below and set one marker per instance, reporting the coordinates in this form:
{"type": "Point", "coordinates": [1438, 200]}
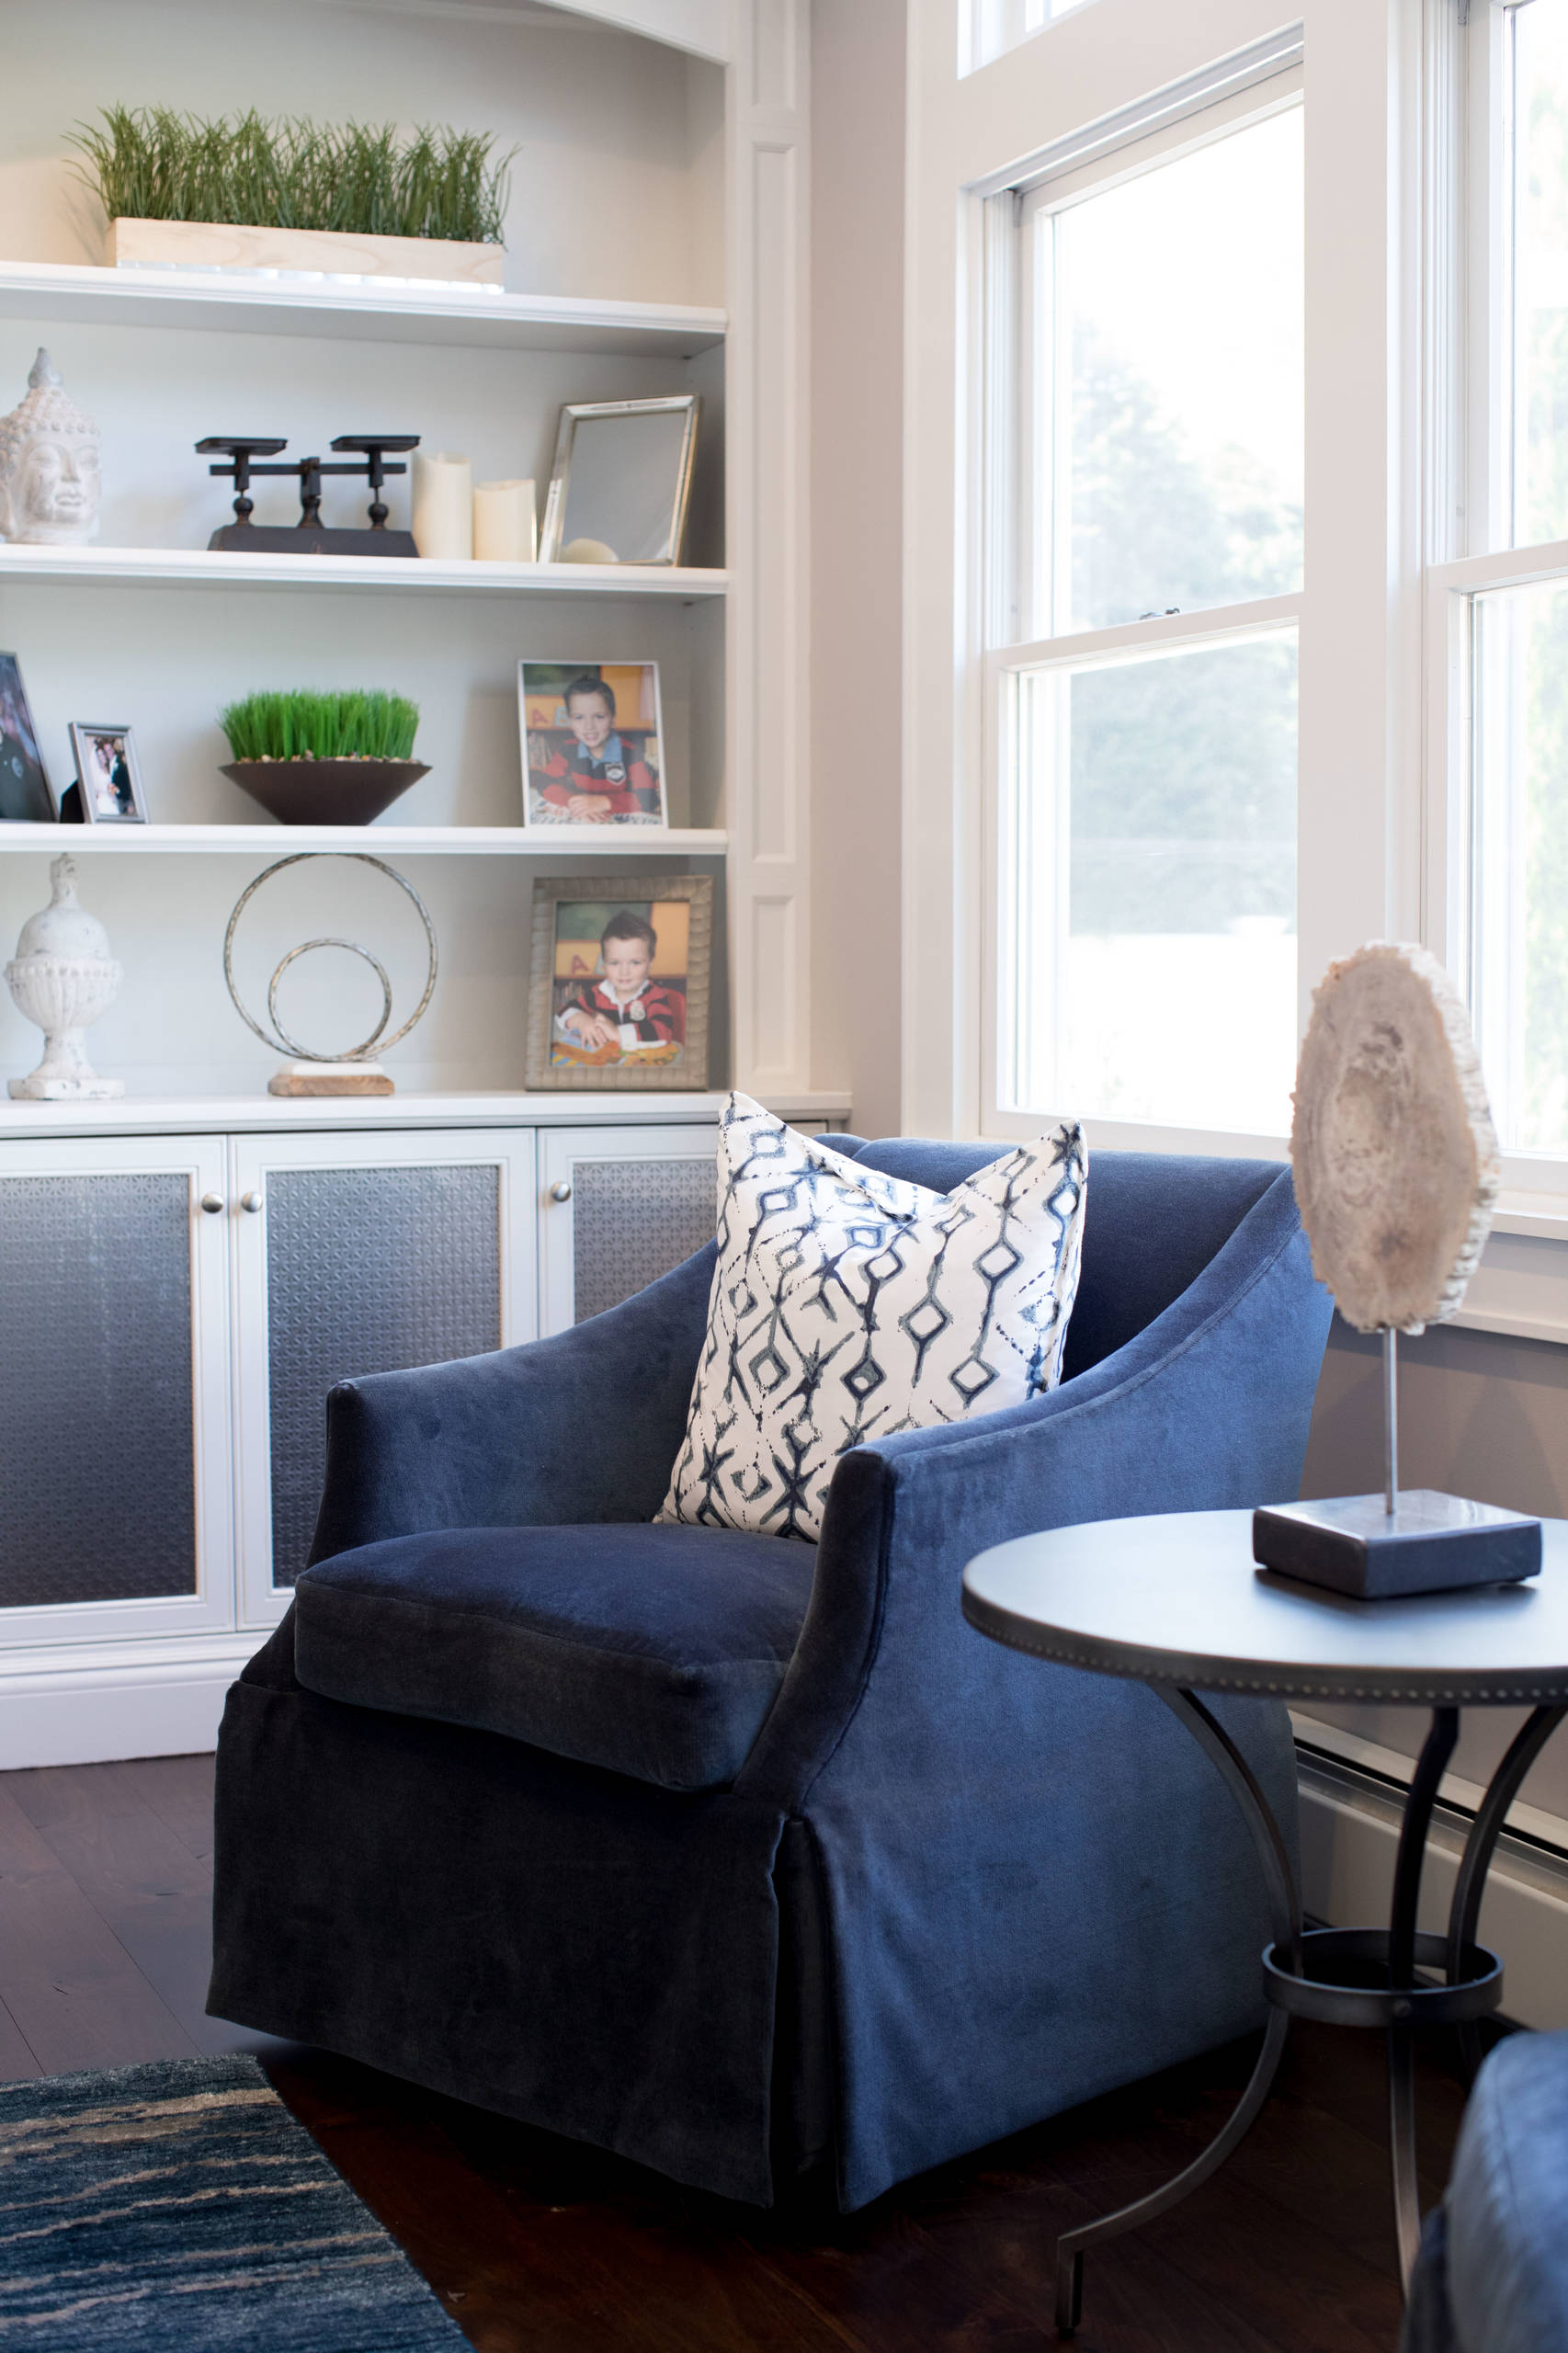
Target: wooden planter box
{"type": "Point", "coordinates": [208, 244]}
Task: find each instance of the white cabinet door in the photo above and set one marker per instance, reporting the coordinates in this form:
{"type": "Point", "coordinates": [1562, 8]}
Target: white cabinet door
{"type": "Point", "coordinates": [353, 1254]}
{"type": "Point", "coordinates": [115, 1466]}
{"type": "Point", "coordinates": [618, 1206]}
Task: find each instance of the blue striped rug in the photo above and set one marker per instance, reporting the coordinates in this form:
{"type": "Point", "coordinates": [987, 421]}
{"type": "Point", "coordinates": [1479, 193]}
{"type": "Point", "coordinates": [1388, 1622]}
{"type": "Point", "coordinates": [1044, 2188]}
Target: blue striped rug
{"type": "Point", "coordinates": [179, 2206]}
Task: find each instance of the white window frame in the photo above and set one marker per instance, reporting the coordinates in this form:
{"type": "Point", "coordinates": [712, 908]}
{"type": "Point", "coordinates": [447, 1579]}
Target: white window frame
{"type": "Point", "coordinates": [1231, 95]}
{"type": "Point", "coordinates": [1085, 84]}
{"type": "Point", "coordinates": [1478, 557]}
{"type": "Point", "coordinates": [1403, 378]}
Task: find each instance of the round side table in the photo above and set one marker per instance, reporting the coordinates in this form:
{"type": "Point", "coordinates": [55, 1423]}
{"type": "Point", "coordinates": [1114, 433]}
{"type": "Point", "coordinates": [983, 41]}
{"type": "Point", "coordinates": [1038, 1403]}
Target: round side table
{"type": "Point", "coordinates": [1175, 1601]}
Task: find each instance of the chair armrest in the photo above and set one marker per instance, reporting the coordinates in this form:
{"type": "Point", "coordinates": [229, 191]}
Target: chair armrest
{"type": "Point", "coordinates": [1207, 1408]}
{"type": "Point", "coordinates": [582, 1426]}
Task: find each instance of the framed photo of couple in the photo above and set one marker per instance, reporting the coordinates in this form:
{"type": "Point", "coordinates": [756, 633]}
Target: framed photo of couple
{"type": "Point", "coordinates": [108, 791]}
{"type": "Point", "coordinates": [621, 969]}
{"type": "Point", "coordinates": [592, 744]}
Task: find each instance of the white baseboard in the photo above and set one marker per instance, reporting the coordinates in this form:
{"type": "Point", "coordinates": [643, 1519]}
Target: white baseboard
{"type": "Point", "coordinates": [92, 1708]}
{"type": "Point", "coordinates": [1349, 1836]}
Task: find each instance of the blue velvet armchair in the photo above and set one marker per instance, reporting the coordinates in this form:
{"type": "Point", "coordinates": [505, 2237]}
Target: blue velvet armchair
{"type": "Point", "coordinates": [1492, 2272]}
{"type": "Point", "coordinates": [746, 1859]}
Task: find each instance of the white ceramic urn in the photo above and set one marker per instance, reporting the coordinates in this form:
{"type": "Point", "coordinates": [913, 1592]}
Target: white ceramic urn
{"type": "Point", "coordinates": [64, 977]}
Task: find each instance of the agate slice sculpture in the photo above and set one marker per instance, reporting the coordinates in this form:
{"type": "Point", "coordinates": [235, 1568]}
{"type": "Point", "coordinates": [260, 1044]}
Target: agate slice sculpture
{"type": "Point", "coordinates": [1396, 1168]}
{"type": "Point", "coordinates": [1393, 1147]}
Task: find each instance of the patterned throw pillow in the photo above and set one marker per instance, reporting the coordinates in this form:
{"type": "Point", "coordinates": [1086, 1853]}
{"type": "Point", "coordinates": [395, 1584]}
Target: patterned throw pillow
{"type": "Point", "coordinates": [846, 1305]}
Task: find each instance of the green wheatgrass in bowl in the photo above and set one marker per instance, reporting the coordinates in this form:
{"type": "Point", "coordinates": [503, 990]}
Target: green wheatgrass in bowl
{"type": "Point", "coordinates": [306, 726]}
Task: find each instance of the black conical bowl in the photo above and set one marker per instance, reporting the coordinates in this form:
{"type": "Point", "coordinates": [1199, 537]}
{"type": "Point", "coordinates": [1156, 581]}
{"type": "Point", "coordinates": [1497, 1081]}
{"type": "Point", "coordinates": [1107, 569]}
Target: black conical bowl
{"type": "Point", "coordinates": [326, 792]}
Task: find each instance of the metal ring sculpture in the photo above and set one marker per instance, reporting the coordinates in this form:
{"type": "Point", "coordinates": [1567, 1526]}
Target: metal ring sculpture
{"type": "Point", "coordinates": [279, 1038]}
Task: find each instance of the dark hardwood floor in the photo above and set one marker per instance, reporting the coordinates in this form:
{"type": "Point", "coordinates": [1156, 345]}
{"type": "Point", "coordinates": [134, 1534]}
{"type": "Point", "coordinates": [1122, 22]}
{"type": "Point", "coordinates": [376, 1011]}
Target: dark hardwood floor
{"type": "Point", "coordinates": [539, 2245]}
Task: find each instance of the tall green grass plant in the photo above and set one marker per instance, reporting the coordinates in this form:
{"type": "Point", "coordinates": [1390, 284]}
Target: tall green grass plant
{"type": "Point", "coordinates": [150, 163]}
{"type": "Point", "coordinates": [306, 726]}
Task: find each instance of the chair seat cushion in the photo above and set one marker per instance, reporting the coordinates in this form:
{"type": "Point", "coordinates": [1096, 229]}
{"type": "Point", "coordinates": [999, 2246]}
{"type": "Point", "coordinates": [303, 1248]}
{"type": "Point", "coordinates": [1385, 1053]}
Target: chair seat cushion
{"type": "Point", "coordinates": [655, 1652]}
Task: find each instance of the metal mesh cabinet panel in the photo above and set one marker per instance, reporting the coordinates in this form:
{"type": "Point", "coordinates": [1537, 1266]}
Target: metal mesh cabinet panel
{"type": "Point", "coordinates": [97, 1475]}
{"type": "Point", "coordinates": [368, 1270]}
{"type": "Point", "coordinates": [632, 1221]}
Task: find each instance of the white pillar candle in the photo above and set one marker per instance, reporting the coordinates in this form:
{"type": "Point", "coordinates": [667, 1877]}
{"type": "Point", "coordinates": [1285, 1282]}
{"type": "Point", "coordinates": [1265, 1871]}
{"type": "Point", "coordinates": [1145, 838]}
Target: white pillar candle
{"type": "Point", "coordinates": [505, 527]}
{"type": "Point", "coordinates": [443, 505]}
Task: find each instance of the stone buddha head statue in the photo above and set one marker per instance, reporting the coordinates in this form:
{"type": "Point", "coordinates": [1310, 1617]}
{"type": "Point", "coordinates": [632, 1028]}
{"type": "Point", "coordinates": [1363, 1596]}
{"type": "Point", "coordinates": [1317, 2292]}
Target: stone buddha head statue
{"type": "Point", "coordinates": [49, 465]}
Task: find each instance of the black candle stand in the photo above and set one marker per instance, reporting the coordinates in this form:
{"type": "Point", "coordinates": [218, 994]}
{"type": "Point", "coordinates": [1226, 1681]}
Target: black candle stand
{"type": "Point", "coordinates": [310, 535]}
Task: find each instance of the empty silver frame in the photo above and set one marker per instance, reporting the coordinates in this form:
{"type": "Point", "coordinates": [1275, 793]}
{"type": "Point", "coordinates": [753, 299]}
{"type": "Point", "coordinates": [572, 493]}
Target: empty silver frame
{"type": "Point", "coordinates": [623, 475]}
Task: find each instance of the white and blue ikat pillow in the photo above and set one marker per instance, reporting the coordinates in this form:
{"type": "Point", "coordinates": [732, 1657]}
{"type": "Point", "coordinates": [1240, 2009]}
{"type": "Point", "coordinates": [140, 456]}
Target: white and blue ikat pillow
{"type": "Point", "coordinates": [848, 1306]}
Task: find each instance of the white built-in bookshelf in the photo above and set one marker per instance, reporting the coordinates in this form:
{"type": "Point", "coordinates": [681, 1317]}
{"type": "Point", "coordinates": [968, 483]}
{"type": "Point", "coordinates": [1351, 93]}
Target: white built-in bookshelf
{"type": "Point", "coordinates": [655, 245]}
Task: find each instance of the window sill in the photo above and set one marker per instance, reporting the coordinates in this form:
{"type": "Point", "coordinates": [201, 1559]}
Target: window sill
{"type": "Point", "coordinates": [1520, 1288]}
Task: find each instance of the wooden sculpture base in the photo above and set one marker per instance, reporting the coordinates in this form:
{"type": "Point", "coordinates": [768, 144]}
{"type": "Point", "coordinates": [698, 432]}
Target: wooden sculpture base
{"type": "Point", "coordinates": [330, 1078]}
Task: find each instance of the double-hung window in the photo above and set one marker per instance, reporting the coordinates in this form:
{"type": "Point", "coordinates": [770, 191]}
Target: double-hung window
{"type": "Point", "coordinates": [1236, 555]}
{"type": "Point", "coordinates": [1497, 612]}
{"type": "Point", "coordinates": [1145, 520]}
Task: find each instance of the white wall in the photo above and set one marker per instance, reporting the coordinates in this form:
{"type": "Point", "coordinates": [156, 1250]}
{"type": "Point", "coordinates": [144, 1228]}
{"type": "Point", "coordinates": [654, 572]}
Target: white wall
{"type": "Point", "coordinates": [858, 72]}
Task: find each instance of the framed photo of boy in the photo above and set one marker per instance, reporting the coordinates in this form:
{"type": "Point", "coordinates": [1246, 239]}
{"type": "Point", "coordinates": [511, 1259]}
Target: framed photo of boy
{"type": "Point", "coordinates": [25, 796]}
{"type": "Point", "coordinates": [108, 779]}
{"type": "Point", "coordinates": [622, 972]}
{"type": "Point", "coordinates": [592, 744]}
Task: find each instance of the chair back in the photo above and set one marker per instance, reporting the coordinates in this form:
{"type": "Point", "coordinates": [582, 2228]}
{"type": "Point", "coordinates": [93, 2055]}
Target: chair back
{"type": "Point", "coordinates": [1153, 1221]}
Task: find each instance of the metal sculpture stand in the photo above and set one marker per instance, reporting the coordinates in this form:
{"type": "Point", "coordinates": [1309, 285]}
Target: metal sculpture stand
{"type": "Point", "coordinates": [1303, 1968]}
{"type": "Point", "coordinates": [353, 1072]}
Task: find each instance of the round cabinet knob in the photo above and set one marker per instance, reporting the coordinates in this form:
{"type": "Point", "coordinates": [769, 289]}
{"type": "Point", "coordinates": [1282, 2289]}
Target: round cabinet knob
{"type": "Point", "coordinates": [211, 1204]}
{"type": "Point", "coordinates": [254, 1202]}
{"type": "Point", "coordinates": [562, 1190]}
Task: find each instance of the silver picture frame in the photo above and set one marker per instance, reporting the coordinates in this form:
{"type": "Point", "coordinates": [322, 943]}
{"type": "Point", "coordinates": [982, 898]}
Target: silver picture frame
{"type": "Point", "coordinates": [601, 490]}
{"type": "Point", "coordinates": [108, 772]}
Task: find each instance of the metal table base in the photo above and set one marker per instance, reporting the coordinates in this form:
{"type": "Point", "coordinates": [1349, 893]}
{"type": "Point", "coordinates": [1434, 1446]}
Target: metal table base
{"type": "Point", "coordinates": [1299, 1979]}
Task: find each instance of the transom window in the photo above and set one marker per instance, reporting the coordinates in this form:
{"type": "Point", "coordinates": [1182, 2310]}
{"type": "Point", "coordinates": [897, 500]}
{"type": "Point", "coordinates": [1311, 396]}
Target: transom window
{"type": "Point", "coordinates": [989, 28]}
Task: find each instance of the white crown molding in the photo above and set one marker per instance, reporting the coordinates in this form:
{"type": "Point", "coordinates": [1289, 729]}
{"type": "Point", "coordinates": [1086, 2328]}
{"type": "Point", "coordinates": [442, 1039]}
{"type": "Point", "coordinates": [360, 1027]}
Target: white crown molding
{"type": "Point", "coordinates": [518, 14]}
{"type": "Point", "coordinates": [698, 26]}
